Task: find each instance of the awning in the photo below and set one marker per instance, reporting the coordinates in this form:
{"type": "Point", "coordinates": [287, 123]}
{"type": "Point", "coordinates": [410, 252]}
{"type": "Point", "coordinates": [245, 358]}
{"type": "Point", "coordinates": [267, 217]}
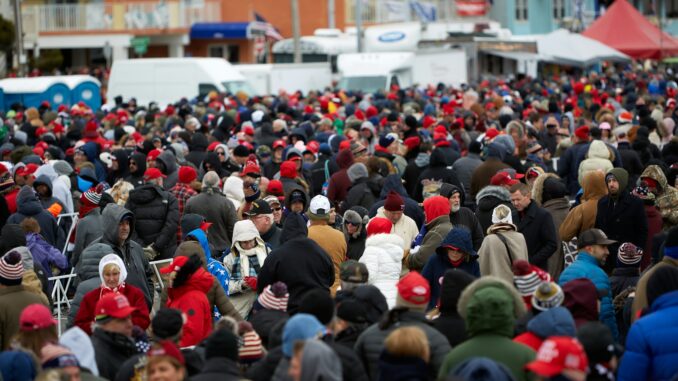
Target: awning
{"type": "Point", "coordinates": [517, 56]}
{"type": "Point", "coordinates": [231, 30]}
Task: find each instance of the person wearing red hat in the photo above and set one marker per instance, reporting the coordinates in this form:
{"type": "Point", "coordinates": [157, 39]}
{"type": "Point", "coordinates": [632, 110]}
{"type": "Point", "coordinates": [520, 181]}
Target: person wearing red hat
{"type": "Point", "coordinates": [157, 215]}
{"type": "Point", "coordinates": [165, 363]}
{"type": "Point", "coordinates": [112, 336]}
{"type": "Point", "coordinates": [151, 156]}
{"type": "Point", "coordinates": [277, 157]}
{"type": "Point", "coordinates": [412, 296]}
{"type": "Point", "coordinates": [393, 210]}
{"type": "Point", "coordinates": [183, 190]}
{"type": "Point", "coordinates": [188, 285]}
{"type": "Point", "coordinates": [37, 328]}
{"type": "Point", "coordinates": [568, 164]}
{"type": "Point", "coordinates": [339, 181]}
{"type": "Point", "coordinates": [560, 356]}
{"type": "Point", "coordinates": [383, 257]}
{"type": "Point", "coordinates": [437, 211]}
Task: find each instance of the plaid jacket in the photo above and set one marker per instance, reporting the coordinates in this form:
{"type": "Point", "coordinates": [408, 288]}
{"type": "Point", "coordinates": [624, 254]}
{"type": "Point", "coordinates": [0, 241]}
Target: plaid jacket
{"type": "Point", "coordinates": [182, 192]}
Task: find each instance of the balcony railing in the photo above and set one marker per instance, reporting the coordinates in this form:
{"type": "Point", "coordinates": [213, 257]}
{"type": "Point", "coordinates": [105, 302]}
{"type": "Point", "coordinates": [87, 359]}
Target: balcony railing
{"type": "Point", "coordinates": [386, 11]}
{"type": "Point", "coordinates": [119, 16]}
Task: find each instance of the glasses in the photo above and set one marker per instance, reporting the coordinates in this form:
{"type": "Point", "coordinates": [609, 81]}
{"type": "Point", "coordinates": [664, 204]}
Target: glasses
{"type": "Point", "coordinates": [221, 153]}
{"type": "Point", "coordinates": [351, 223]}
{"type": "Point", "coordinates": [277, 209]}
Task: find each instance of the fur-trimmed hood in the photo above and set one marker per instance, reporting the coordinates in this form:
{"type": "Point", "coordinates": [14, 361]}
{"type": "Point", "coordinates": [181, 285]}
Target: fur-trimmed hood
{"type": "Point", "coordinates": [490, 305]}
{"type": "Point", "coordinates": [494, 191]}
{"type": "Point", "coordinates": [538, 186]}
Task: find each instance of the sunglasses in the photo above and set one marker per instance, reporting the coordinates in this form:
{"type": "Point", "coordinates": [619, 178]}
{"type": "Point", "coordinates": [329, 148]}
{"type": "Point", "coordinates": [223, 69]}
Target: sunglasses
{"type": "Point", "coordinates": [277, 209]}
{"type": "Point", "coordinates": [132, 163]}
{"type": "Point", "coordinates": [220, 153]}
{"type": "Point", "coordinates": [351, 223]}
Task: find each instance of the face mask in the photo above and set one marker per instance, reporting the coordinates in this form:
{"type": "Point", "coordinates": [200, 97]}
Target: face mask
{"type": "Point", "coordinates": [84, 185]}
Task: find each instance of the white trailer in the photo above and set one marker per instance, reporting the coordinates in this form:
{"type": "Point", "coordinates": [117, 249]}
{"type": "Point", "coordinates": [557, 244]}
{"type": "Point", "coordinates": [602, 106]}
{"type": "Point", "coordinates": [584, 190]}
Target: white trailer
{"type": "Point", "coordinates": [274, 78]}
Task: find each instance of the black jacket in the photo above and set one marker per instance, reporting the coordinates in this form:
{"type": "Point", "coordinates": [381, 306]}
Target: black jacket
{"type": "Point", "coordinates": [623, 278]}
{"type": "Point", "coordinates": [198, 151]}
{"type": "Point", "coordinates": [264, 320]}
{"type": "Point", "coordinates": [437, 170]}
{"type": "Point", "coordinates": [623, 220]}
{"type": "Point", "coordinates": [631, 161]}
{"type": "Point", "coordinates": [413, 170]}
{"type": "Point", "coordinates": [136, 178]}
{"type": "Point", "coordinates": [272, 237]}
{"type": "Point", "coordinates": [360, 194]}
{"type": "Point", "coordinates": [356, 246]}
{"type": "Point", "coordinates": [317, 172]}
{"type": "Point", "coordinates": [466, 218]}
{"type": "Point", "coordinates": [412, 208]}
{"type": "Point", "coordinates": [351, 366]}
{"type": "Point", "coordinates": [28, 205]}
{"type": "Point", "coordinates": [218, 368]}
{"type": "Point", "coordinates": [156, 213]}
{"type": "Point", "coordinates": [111, 351]}
{"type": "Point", "coordinates": [537, 226]}
{"type": "Point", "coordinates": [489, 198]}
{"type": "Point", "coordinates": [299, 262]}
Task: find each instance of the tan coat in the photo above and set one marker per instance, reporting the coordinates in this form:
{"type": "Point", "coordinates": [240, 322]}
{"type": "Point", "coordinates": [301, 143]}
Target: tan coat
{"type": "Point", "coordinates": [334, 244]}
{"type": "Point", "coordinates": [583, 216]}
{"type": "Point", "coordinates": [493, 256]}
{"type": "Point", "coordinates": [13, 299]}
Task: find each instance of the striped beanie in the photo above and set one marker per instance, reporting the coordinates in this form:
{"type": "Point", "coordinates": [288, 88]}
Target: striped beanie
{"type": "Point", "coordinates": [274, 297]}
{"type": "Point", "coordinates": [548, 295]}
{"type": "Point", "coordinates": [251, 348]}
{"type": "Point", "coordinates": [11, 269]}
{"type": "Point", "coordinates": [93, 195]}
{"type": "Point", "coordinates": [629, 254]}
{"type": "Point", "coordinates": [527, 277]}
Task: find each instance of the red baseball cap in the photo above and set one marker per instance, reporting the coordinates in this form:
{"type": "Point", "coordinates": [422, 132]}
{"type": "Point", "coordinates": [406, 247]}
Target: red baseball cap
{"type": "Point", "coordinates": [26, 170]}
{"type": "Point", "coordinates": [153, 154]}
{"type": "Point", "coordinates": [252, 170]}
{"type": "Point", "coordinates": [114, 306]}
{"type": "Point", "coordinates": [491, 133]}
{"type": "Point", "coordinates": [275, 188]}
{"type": "Point", "coordinates": [169, 349]}
{"type": "Point", "coordinates": [503, 178]}
{"type": "Point", "coordinates": [176, 265]}
{"type": "Point", "coordinates": [35, 317]}
{"type": "Point", "coordinates": [152, 174]}
{"type": "Point", "coordinates": [557, 354]}
{"type": "Point", "coordinates": [414, 288]}
{"type": "Point", "coordinates": [248, 130]}
{"type": "Point", "coordinates": [279, 144]}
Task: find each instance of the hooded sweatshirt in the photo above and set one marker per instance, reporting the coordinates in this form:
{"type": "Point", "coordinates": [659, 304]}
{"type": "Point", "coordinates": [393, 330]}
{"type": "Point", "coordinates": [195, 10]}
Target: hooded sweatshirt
{"type": "Point", "coordinates": [169, 169]}
{"type": "Point", "coordinates": [190, 298]}
{"type": "Point", "coordinates": [214, 267]}
{"type": "Point", "coordinates": [449, 322]}
{"type": "Point", "coordinates": [60, 189]}
{"type": "Point", "coordinates": [28, 205]}
{"type": "Point", "coordinates": [598, 158]}
{"type": "Point", "coordinates": [320, 362]}
{"type": "Point", "coordinates": [437, 211]}
{"type": "Point", "coordinates": [490, 307]}
{"type": "Point", "coordinates": [583, 216]}
{"type": "Point", "coordinates": [667, 196]}
{"type": "Point", "coordinates": [136, 177]}
{"type": "Point", "coordinates": [556, 321]}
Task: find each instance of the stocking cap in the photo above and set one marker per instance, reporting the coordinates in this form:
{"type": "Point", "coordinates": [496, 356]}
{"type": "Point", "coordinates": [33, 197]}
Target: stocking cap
{"type": "Point", "coordinates": [394, 202]}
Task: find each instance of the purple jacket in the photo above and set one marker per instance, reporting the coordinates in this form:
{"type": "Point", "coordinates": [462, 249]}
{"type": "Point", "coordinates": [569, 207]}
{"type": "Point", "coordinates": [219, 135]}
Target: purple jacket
{"type": "Point", "coordinates": [46, 254]}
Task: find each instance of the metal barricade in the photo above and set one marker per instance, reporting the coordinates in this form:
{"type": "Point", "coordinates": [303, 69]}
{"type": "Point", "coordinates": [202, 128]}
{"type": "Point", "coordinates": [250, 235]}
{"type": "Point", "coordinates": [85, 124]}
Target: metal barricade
{"type": "Point", "coordinates": [156, 270]}
{"type": "Point", "coordinates": [74, 221]}
{"type": "Point", "coordinates": [60, 294]}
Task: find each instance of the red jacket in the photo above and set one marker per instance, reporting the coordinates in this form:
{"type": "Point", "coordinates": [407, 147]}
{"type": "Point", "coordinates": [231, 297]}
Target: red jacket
{"type": "Point", "coordinates": [135, 296]}
{"type": "Point", "coordinates": [654, 227]}
{"type": "Point", "coordinates": [191, 299]}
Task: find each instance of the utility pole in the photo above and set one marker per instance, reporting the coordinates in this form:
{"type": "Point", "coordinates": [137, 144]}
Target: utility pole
{"type": "Point", "coordinates": [330, 15]}
{"type": "Point", "coordinates": [359, 23]}
{"type": "Point", "coordinates": [296, 30]}
{"type": "Point", "coordinates": [21, 58]}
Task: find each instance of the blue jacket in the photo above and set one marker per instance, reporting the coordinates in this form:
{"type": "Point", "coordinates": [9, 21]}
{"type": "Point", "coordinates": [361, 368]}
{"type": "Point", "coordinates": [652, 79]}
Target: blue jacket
{"type": "Point", "coordinates": [214, 267]}
{"type": "Point", "coordinates": [586, 266]}
{"type": "Point", "coordinates": [651, 345]}
{"type": "Point", "coordinates": [438, 264]}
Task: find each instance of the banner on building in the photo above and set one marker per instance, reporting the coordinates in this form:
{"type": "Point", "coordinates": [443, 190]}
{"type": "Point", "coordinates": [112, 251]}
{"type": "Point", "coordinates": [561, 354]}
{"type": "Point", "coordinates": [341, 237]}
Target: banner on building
{"type": "Point", "coordinates": [471, 8]}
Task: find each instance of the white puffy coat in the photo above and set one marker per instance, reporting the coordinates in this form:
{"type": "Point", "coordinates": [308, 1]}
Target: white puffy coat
{"type": "Point", "coordinates": [383, 257]}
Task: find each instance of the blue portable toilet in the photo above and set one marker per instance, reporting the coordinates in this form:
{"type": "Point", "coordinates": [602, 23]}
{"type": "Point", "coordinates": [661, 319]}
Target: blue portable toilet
{"type": "Point", "coordinates": [2, 100]}
{"type": "Point", "coordinates": [84, 88]}
{"type": "Point", "coordinates": [33, 91]}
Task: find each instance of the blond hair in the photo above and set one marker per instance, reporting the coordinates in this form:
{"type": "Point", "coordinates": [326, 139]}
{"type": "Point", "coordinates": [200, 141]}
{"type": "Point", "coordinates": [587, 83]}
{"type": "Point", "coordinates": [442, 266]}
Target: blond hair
{"type": "Point", "coordinates": [408, 342]}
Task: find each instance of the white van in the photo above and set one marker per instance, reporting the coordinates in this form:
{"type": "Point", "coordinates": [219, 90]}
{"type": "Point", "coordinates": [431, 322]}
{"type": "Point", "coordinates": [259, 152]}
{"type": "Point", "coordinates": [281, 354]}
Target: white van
{"type": "Point", "coordinates": [167, 80]}
{"type": "Point", "coordinates": [273, 78]}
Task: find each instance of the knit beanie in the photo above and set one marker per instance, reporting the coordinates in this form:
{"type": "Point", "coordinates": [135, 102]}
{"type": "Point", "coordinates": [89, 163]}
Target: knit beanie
{"type": "Point", "coordinates": [222, 343]}
{"type": "Point", "coordinates": [663, 280]}
{"type": "Point", "coordinates": [274, 297]}
{"type": "Point", "coordinates": [187, 174]}
{"type": "Point", "coordinates": [92, 196]}
{"type": "Point", "coordinates": [527, 277]}
{"type": "Point", "coordinates": [379, 225]}
{"type": "Point", "coordinates": [318, 303]}
{"type": "Point", "coordinates": [357, 171]}
{"type": "Point", "coordinates": [414, 292]}
{"type": "Point", "coordinates": [629, 255]}
{"type": "Point", "coordinates": [167, 323]}
{"type": "Point", "coordinates": [394, 202]}
{"type": "Point", "coordinates": [435, 207]}
{"type": "Point", "coordinates": [251, 349]}
{"type": "Point", "coordinates": [11, 269]}
{"type": "Point", "coordinates": [548, 295]}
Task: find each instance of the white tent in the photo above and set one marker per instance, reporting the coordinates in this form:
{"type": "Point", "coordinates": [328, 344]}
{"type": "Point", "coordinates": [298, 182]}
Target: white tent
{"type": "Point", "coordinates": [567, 48]}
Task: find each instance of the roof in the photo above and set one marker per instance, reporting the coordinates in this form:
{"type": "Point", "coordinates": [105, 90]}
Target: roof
{"type": "Point", "coordinates": [627, 30]}
{"type": "Point", "coordinates": [574, 49]}
{"type": "Point", "coordinates": [41, 84]}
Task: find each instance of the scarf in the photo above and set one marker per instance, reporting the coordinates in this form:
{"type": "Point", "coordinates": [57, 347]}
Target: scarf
{"type": "Point", "coordinates": [251, 266]}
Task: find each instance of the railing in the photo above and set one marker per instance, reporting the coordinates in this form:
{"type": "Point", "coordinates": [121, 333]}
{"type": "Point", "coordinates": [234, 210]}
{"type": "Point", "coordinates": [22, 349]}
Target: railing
{"type": "Point", "coordinates": [386, 11]}
{"type": "Point", "coordinates": [118, 16]}
{"type": "Point", "coordinates": [62, 283]}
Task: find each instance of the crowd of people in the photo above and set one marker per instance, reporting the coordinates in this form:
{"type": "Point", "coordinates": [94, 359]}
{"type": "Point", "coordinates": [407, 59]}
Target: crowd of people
{"type": "Point", "coordinates": [510, 230]}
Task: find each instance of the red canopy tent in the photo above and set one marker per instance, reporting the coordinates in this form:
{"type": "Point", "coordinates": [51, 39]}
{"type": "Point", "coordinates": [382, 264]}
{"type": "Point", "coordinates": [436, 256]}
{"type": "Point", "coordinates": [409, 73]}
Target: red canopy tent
{"type": "Point", "coordinates": [625, 29]}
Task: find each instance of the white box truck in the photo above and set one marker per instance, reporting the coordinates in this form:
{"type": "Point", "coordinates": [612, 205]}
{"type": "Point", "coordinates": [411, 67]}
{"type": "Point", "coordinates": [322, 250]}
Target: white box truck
{"type": "Point", "coordinates": [369, 72]}
{"type": "Point", "coordinates": [166, 80]}
{"type": "Point", "coordinates": [273, 78]}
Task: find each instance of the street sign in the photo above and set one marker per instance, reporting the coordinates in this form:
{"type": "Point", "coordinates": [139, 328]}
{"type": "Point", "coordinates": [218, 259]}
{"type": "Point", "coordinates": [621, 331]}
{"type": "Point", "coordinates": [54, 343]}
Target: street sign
{"type": "Point", "coordinates": [140, 44]}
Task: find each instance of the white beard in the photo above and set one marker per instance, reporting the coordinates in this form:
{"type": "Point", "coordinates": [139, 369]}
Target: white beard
{"type": "Point", "coordinates": [455, 209]}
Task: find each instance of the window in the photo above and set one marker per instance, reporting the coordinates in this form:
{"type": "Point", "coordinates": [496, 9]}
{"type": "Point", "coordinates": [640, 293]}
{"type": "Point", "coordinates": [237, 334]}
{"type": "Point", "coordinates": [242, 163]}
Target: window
{"type": "Point", "coordinates": [671, 9]}
{"type": "Point", "coordinates": [521, 10]}
{"type": "Point", "coordinates": [230, 53]}
{"type": "Point", "coordinates": [558, 9]}
{"type": "Point", "coordinates": [204, 89]}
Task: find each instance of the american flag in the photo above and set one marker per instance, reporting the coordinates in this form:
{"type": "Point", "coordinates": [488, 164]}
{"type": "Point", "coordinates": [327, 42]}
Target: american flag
{"type": "Point", "coordinates": [270, 31]}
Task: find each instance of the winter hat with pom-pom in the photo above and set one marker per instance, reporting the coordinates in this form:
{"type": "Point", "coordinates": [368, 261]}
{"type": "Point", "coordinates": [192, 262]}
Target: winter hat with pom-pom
{"type": "Point", "coordinates": [11, 269]}
{"type": "Point", "coordinates": [274, 297]}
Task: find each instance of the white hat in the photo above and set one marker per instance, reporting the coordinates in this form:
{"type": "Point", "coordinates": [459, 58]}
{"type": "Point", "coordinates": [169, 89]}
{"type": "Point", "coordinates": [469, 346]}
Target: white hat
{"type": "Point", "coordinates": [320, 206]}
{"type": "Point", "coordinates": [502, 209]}
{"type": "Point", "coordinates": [257, 116]}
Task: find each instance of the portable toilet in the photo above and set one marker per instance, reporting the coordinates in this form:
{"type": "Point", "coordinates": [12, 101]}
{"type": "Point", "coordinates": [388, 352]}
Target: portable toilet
{"type": "Point", "coordinates": [33, 91]}
{"type": "Point", "coordinates": [2, 100]}
{"type": "Point", "coordinates": [84, 88]}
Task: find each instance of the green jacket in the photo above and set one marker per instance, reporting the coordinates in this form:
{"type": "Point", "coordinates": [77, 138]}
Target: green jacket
{"type": "Point", "coordinates": [13, 299]}
{"type": "Point", "coordinates": [490, 307]}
